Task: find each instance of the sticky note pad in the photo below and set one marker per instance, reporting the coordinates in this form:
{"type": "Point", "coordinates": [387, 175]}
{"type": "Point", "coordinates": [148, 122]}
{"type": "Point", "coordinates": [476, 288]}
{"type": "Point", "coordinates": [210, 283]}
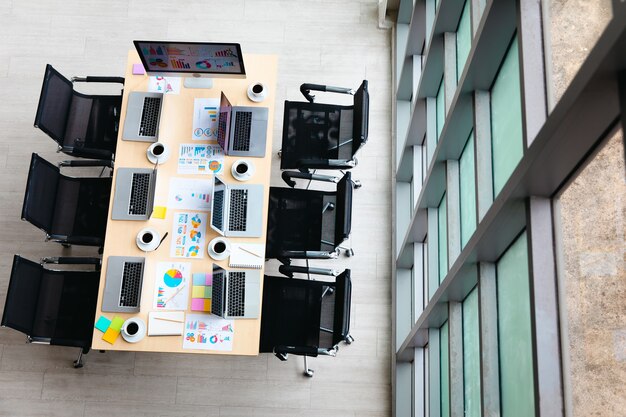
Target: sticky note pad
{"type": "Point", "coordinates": [198, 279]}
{"type": "Point", "coordinates": [117, 323]}
{"type": "Point", "coordinates": [208, 291]}
{"type": "Point", "coordinates": [200, 304]}
{"type": "Point", "coordinates": [207, 305]}
{"type": "Point", "coordinates": [103, 324]}
{"type": "Point", "coordinates": [138, 69]}
{"type": "Point", "coordinates": [197, 291]}
{"type": "Point", "coordinates": [159, 212]}
{"type": "Point", "coordinates": [208, 279]}
{"type": "Point", "coordinates": [111, 335]}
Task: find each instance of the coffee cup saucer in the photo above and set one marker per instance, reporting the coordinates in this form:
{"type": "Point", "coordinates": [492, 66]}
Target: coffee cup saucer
{"type": "Point", "coordinates": [218, 256]}
{"type": "Point", "coordinates": [141, 333]}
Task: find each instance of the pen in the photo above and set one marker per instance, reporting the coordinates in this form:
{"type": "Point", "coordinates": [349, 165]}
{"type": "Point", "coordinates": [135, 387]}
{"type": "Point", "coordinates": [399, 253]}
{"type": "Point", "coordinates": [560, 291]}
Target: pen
{"type": "Point", "coordinates": [162, 239]}
{"type": "Point", "coordinates": [172, 320]}
{"type": "Point", "coordinates": [250, 252]}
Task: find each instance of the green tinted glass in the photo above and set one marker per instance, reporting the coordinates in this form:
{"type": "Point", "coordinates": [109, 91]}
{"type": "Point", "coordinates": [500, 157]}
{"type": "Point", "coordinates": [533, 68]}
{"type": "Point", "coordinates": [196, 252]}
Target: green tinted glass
{"type": "Point", "coordinates": [463, 39]}
{"type": "Point", "coordinates": [467, 189]}
{"type": "Point", "coordinates": [441, 109]}
{"type": "Point", "coordinates": [443, 239]}
{"type": "Point", "coordinates": [506, 119]}
{"type": "Point", "coordinates": [445, 371]}
{"type": "Point", "coordinates": [471, 356]}
{"type": "Point", "coordinates": [514, 332]}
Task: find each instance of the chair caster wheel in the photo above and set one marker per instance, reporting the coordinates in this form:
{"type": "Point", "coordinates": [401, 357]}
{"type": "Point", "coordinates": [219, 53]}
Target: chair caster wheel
{"type": "Point", "coordinates": [349, 340]}
{"type": "Point", "coordinates": [279, 153]}
{"type": "Point", "coordinates": [66, 245]}
{"type": "Point", "coordinates": [309, 373]}
{"type": "Point", "coordinates": [78, 365]}
{"type": "Point", "coordinates": [349, 252]}
{"type": "Point", "coordinates": [357, 184]}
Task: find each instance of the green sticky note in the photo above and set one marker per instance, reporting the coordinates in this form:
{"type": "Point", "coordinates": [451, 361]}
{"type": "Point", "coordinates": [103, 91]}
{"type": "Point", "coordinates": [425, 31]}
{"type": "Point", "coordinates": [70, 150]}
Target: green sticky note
{"type": "Point", "coordinates": [103, 324]}
{"type": "Point", "coordinates": [208, 292]}
{"type": "Point", "coordinates": [117, 323]}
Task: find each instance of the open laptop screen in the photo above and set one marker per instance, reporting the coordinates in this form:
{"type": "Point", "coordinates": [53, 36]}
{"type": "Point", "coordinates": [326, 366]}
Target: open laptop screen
{"type": "Point", "coordinates": [218, 213]}
{"type": "Point", "coordinates": [223, 125]}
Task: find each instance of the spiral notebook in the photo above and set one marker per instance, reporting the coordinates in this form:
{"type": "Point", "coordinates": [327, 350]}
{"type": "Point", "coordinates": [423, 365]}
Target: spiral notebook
{"type": "Point", "coordinates": [247, 255]}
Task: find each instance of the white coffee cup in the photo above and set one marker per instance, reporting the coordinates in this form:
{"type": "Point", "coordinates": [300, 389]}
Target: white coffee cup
{"type": "Point", "coordinates": [219, 248]}
{"type": "Point", "coordinates": [148, 239]}
{"type": "Point", "coordinates": [133, 329]}
{"type": "Point", "coordinates": [257, 92]}
{"type": "Point", "coordinates": [242, 170]}
{"type": "Point", "coordinates": [158, 152]}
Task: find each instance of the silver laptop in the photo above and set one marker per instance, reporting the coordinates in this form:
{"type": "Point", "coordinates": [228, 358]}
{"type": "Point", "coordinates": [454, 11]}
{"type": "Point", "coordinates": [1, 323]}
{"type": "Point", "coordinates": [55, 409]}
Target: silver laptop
{"type": "Point", "coordinates": [242, 131]}
{"type": "Point", "coordinates": [122, 291]}
{"type": "Point", "coordinates": [134, 193]}
{"type": "Point", "coordinates": [236, 294]}
{"type": "Point", "coordinates": [143, 114]}
{"type": "Point", "coordinates": [237, 210]}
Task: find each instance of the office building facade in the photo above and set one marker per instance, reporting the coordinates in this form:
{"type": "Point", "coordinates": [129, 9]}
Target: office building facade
{"type": "Point", "coordinates": [508, 247]}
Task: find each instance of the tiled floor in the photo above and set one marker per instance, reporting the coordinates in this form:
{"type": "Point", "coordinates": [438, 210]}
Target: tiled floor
{"type": "Point", "coordinates": [323, 41]}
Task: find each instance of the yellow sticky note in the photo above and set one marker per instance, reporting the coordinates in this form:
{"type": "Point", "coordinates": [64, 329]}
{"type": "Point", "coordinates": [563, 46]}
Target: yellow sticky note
{"type": "Point", "coordinates": [197, 291]}
{"type": "Point", "coordinates": [110, 335]}
{"type": "Point", "coordinates": [207, 305]}
{"type": "Point", "coordinates": [116, 323]}
{"type": "Point", "coordinates": [159, 212]}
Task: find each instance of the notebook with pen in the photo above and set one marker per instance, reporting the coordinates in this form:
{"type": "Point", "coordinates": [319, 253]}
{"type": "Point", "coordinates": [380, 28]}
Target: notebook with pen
{"type": "Point", "coordinates": [247, 255]}
{"type": "Point", "coordinates": [166, 323]}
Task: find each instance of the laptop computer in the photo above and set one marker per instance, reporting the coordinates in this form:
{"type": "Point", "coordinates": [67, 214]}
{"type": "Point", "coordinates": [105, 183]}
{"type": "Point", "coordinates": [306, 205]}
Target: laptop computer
{"type": "Point", "coordinates": [124, 278]}
{"type": "Point", "coordinates": [143, 114]}
{"type": "Point", "coordinates": [237, 210]}
{"type": "Point", "coordinates": [242, 131]}
{"type": "Point", "coordinates": [236, 294]}
{"type": "Point", "coordinates": [134, 193]}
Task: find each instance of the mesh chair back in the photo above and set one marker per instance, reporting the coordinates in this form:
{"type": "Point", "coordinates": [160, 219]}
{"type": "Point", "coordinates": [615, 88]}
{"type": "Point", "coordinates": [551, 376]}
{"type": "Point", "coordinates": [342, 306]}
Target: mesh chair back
{"type": "Point", "coordinates": [361, 117]}
{"type": "Point", "coordinates": [89, 216]}
{"type": "Point", "coordinates": [291, 313]}
{"type": "Point", "coordinates": [343, 211]}
{"type": "Point", "coordinates": [343, 300]}
{"type": "Point", "coordinates": [54, 104]}
{"type": "Point", "coordinates": [41, 192]}
{"type": "Point", "coordinates": [22, 295]}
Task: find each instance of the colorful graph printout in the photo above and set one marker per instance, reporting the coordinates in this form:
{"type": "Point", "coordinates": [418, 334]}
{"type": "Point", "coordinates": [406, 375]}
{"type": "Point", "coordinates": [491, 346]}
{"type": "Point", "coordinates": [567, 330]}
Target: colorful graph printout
{"type": "Point", "coordinates": [166, 85]}
{"type": "Point", "coordinates": [190, 194]}
{"type": "Point", "coordinates": [188, 235]}
{"type": "Point", "coordinates": [171, 287]}
{"type": "Point", "coordinates": [205, 116]}
{"type": "Point", "coordinates": [200, 159]}
{"type": "Point", "coordinates": [204, 331]}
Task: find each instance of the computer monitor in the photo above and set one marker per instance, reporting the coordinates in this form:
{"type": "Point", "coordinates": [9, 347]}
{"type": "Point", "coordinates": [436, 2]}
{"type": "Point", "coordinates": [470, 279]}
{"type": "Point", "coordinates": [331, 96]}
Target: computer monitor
{"type": "Point", "coordinates": [197, 61]}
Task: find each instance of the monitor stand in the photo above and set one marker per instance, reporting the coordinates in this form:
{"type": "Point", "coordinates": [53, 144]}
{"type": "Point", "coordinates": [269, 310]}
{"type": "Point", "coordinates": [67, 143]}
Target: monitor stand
{"type": "Point", "coordinates": [193, 82]}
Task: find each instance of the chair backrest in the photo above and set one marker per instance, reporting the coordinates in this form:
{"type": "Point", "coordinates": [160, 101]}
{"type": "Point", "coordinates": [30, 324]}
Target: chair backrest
{"type": "Point", "coordinates": [343, 301]}
{"type": "Point", "coordinates": [361, 117]}
{"type": "Point", "coordinates": [41, 192]}
{"type": "Point", "coordinates": [343, 209]}
{"type": "Point", "coordinates": [53, 306]}
{"type": "Point", "coordinates": [54, 104]}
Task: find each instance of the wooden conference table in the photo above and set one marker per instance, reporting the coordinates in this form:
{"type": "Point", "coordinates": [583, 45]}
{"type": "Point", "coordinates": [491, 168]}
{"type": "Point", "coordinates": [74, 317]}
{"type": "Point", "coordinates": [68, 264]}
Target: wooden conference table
{"type": "Point", "coordinates": [175, 129]}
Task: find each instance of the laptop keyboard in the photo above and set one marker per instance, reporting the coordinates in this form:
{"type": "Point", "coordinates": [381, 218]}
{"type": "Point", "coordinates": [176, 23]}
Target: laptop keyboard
{"type": "Point", "coordinates": [241, 136]}
{"type": "Point", "coordinates": [131, 284]}
{"type": "Point", "coordinates": [221, 129]}
{"type": "Point", "coordinates": [236, 293]}
{"type": "Point", "coordinates": [238, 210]}
{"type": "Point", "coordinates": [218, 209]}
{"type": "Point", "coordinates": [150, 116]}
{"type": "Point", "coordinates": [217, 295]}
{"type": "Point", "coordinates": [139, 191]}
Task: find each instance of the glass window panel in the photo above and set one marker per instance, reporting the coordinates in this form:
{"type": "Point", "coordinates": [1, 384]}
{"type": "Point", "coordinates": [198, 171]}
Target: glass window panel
{"type": "Point", "coordinates": [441, 109]}
{"type": "Point", "coordinates": [514, 332]}
{"type": "Point", "coordinates": [471, 356]}
{"type": "Point", "coordinates": [506, 119]}
{"type": "Point", "coordinates": [443, 239]}
{"type": "Point", "coordinates": [463, 39]}
{"type": "Point", "coordinates": [467, 189]}
{"type": "Point", "coordinates": [445, 371]}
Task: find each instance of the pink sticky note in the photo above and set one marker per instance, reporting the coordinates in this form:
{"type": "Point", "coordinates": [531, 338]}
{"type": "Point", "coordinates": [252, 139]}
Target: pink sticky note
{"type": "Point", "coordinates": [138, 69]}
{"type": "Point", "coordinates": [208, 280]}
{"type": "Point", "coordinates": [197, 304]}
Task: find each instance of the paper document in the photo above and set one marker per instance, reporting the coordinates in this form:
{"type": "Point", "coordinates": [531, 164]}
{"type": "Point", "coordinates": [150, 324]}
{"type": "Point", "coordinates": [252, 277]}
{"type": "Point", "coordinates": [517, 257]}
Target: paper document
{"type": "Point", "coordinates": [200, 159]}
{"type": "Point", "coordinates": [190, 194]}
{"type": "Point", "coordinates": [188, 235]}
{"type": "Point", "coordinates": [204, 331]}
{"type": "Point", "coordinates": [247, 255]}
{"type": "Point", "coordinates": [205, 117]}
{"type": "Point", "coordinates": [166, 323]}
{"type": "Point", "coordinates": [172, 286]}
{"type": "Point", "coordinates": [166, 85]}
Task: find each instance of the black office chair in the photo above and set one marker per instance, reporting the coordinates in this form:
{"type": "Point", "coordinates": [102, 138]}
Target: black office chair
{"type": "Point", "coordinates": [309, 224]}
{"type": "Point", "coordinates": [82, 125]}
{"type": "Point", "coordinates": [305, 317]}
{"type": "Point", "coordinates": [52, 306]}
{"type": "Point", "coordinates": [324, 136]}
{"type": "Point", "coordinates": [70, 210]}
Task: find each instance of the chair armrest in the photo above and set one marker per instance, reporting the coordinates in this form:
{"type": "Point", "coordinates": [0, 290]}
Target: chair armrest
{"type": "Point", "coordinates": [288, 175]}
{"type": "Point", "coordinates": [306, 88]}
{"type": "Point", "coordinates": [76, 240]}
{"type": "Point", "coordinates": [87, 152]}
{"type": "Point", "coordinates": [309, 254]}
{"type": "Point", "coordinates": [71, 260]}
{"type": "Point", "coordinates": [288, 270]}
{"type": "Point", "coordinates": [327, 163]}
{"type": "Point", "coordinates": [296, 350]}
{"type": "Point", "coordinates": [91, 79]}
{"type": "Point", "coordinates": [86, 163]}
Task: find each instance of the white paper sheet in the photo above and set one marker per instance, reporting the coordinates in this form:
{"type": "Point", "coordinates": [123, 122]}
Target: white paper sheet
{"type": "Point", "coordinates": [200, 159]}
{"type": "Point", "coordinates": [172, 286]}
{"type": "Point", "coordinates": [166, 85]}
{"type": "Point", "coordinates": [190, 194]}
{"type": "Point", "coordinates": [204, 331]}
{"type": "Point", "coordinates": [188, 235]}
{"type": "Point", "coordinates": [205, 117]}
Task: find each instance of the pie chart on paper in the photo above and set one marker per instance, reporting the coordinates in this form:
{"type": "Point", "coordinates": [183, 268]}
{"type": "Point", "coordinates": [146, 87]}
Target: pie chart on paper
{"type": "Point", "coordinates": [173, 278]}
